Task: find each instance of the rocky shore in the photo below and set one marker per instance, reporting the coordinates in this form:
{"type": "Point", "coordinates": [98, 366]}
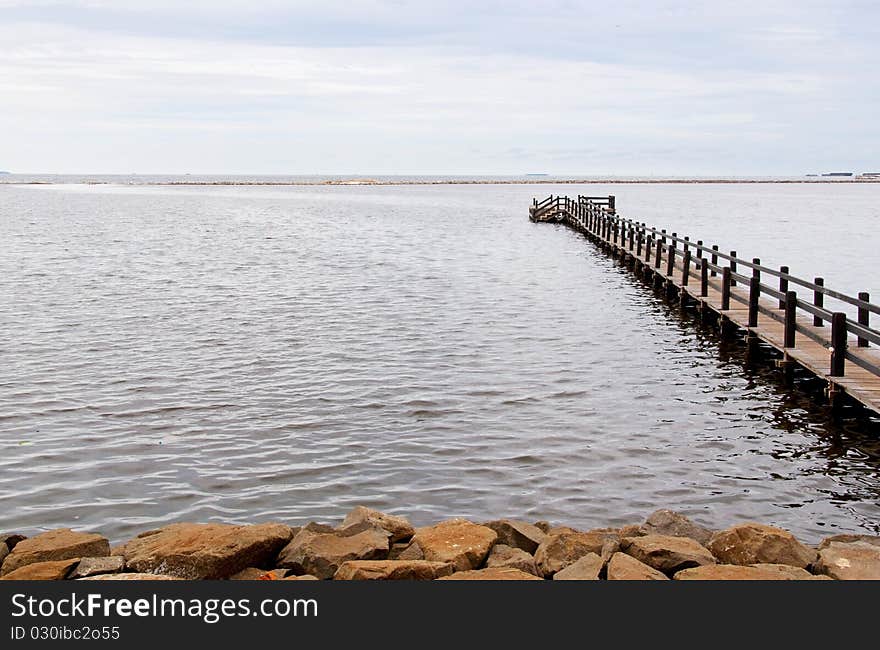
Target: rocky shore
{"type": "Point", "coordinates": [371, 545]}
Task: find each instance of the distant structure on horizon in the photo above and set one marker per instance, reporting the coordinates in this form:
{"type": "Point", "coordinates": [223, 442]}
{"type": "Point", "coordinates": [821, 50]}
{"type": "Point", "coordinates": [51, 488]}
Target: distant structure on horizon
{"type": "Point", "coordinates": [838, 174]}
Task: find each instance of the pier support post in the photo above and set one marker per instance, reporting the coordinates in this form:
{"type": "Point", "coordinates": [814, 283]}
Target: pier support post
{"type": "Point", "coordinates": [838, 344]}
{"type": "Point", "coordinates": [714, 259]}
{"type": "Point", "coordinates": [864, 317]}
{"type": "Point", "coordinates": [733, 267]}
{"type": "Point", "coordinates": [704, 277]}
{"type": "Point", "coordinates": [783, 285]}
{"type": "Point", "coordinates": [725, 288]}
{"type": "Point", "coordinates": [818, 300]}
{"type": "Point", "coordinates": [790, 304]}
{"type": "Point", "coordinates": [754, 295]}
{"type": "Point", "coordinates": [686, 268]}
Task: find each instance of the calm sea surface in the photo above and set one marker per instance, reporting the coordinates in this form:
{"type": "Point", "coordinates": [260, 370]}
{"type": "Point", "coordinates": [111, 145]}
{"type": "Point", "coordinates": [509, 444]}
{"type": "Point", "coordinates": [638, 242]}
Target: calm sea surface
{"type": "Point", "coordinates": [247, 354]}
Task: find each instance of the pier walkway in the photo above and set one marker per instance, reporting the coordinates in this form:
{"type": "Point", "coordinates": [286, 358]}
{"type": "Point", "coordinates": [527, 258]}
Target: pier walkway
{"type": "Point", "coordinates": [828, 343]}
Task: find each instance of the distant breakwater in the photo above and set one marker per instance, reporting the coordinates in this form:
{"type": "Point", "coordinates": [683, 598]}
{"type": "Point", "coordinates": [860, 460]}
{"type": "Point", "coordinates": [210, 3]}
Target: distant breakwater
{"type": "Point", "coordinates": [541, 181]}
{"type": "Point", "coordinates": [372, 545]}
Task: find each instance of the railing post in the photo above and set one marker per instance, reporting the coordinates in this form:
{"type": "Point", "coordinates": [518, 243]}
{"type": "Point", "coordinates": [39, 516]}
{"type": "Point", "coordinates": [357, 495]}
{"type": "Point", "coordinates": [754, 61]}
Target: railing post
{"type": "Point", "coordinates": [790, 318]}
{"type": "Point", "coordinates": [732, 268]}
{"type": "Point", "coordinates": [864, 317]}
{"type": "Point", "coordinates": [754, 296]}
{"type": "Point", "coordinates": [611, 203]}
{"type": "Point", "coordinates": [699, 249]}
{"type": "Point", "coordinates": [657, 256]}
{"type": "Point", "coordinates": [704, 277]}
{"type": "Point", "coordinates": [686, 268]}
{"type": "Point", "coordinates": [838, 344]}
{"type": "Point", "coordinates": [687, 244]}
{"type": "Point", "coordinates": [714, 258]}
{"type": "Point", "coordinates": [639, 245]}
{"type": "Point", "coordinates": [756, 273]}
{"type": "Point", "coordinates": [670, 258]}
{"type": "Point", "coordinates": [648, 242]}
{"type": "Point", "coordinates": [818, 300]}
{"type": "Point", "coordinates": [725, 288]}
{"type": "Point", "coordinates": [783, 286]}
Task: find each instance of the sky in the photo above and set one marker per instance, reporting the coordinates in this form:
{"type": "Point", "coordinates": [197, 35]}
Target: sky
{"type": "Point", "coordinates": [399, 87]}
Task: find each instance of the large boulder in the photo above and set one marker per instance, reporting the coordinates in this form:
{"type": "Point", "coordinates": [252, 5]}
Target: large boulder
{"type": "Point", "coordinates": [392, 570]}
{"type": "Point", "coordinates": [321, 554]}
{"type": "Point", "coordinates": [666, 553]}
{"type": "Point", "coordinates": [463, 543]}
{"type": "Point", "coordinates": [752, 543]}
{"type": "Point", "coordinates": [586, 567]}
{"type": "Point", "coordinates": [253, 573]}
{"type": "Point", "coordinates": [60, 544]}
{"type": "Point", "coordinates": [491, 574]}
{"type": "Point", "coordinates": [53, 570]}
{"type": "Point", "coordinates": [517, 534]}
{"type": "Point", "coordinates": [558, 550]}
{"type": "Point", "coordinates": [4, 551]}
{"type": "Point", "coordinates": [739, 572]}
{"type": "Point", "coordinates": [503, 556]}
{"type": "Point", "coordinates": [398, 527]}
{"type": "Point", "coordinates": [204, 551]}
{"type": "Point", "coordinates": [626, 567]}
{"type": "Point", "coordinates": [854, 561]}
{"type": "Point", "coordinates": [667, 522]}
{"type": "Point", "coordinates": [93, 566]}
{"type": "Point", "coordinates": [11, 539]}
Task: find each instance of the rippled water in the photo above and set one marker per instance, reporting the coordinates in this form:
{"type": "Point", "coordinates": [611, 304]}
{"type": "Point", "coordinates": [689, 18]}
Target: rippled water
{"type": "Point", "coordinates": [284, 353]}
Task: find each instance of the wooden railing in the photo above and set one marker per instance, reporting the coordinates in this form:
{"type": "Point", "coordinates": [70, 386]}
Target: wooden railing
{"type": "Point", "coordinates": [722, 271]}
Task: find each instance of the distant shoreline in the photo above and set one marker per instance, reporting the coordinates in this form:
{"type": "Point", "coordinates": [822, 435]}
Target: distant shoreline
{"type": "Point", "coordinates": [542, 181]}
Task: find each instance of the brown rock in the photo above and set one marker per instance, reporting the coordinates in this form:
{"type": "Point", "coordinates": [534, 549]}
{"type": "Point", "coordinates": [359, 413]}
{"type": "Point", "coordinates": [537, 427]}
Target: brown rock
{"type": "Point", "coordinates": [412, 551]}
{"type": "Point", "coordinates": [587, 567]}
{"type": "Point", "coordinates": [848, 539]}
{"type": "Point", "coordinates": [321, 554]}
{"type": "Point", "coordinates": [314, 527]}
{"type": "Point", "coordinates": [559, 550]}
{"type": "Point", "coordinates": [305, 577]}
{"type": "Point", "coordinates": [399, 527]}
{"type": "Point", "coordinates": [666, 553]}
{"type": "Point", "coordinates": [626, 567]}
{"type": "Point", "coordinates": [739, 572]}
{"type": "Point", "coordinates": [752, 543]}
{"type": "Point", "coordinates": [4, 551]}
{"type": "Point", "coordinates": [54, 570]}
{"type": "Point", "coordinates": [854, 561]}
{"type": "Point", "coordinates": [463, 543]}
{"type": "Point", "coordinates": [543, 526]}
{"type": "Point", "coordinates": [205, 551]}
{"type": "Point", "coordinates": [392, 570]}
{"type": "Point", "coordinates": [555, 530]}
{"type": "Point", "coordinates": [11, 539]}
{"type": "Point", "coordinates": [60, 544]}
{"type": "Point", "coordinates": [667, 522]}
{"type": "Point", "coordinates": [517, 534]}
{"type": "Point", "coordinates": [132, 576]}
{"type": "Point", "coordinates": [93, 566]}
{"type": "Point", "coordinates": [789, 572]}
{"type": "Point", "coordinates": [253, 573]}
{"type": "Point", "coordinates": [503, 556]}
{"type": "Point", "coordinates": [633, 530]}
{"type": "Point", "coordinates": [491, 574]}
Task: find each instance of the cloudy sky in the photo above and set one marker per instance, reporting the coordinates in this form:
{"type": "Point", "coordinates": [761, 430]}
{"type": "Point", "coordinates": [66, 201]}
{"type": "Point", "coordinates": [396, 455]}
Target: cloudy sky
{"type": "Point", "coordinates": [393, 86]}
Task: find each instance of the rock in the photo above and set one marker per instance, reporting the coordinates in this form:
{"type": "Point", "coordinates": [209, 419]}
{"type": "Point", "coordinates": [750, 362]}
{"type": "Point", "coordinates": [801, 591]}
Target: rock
{"type": "Point", "coordinates": [854, 561]}
{"type": "Point", "coordinates": [503, 556]}
{"type": "Point", "coordinates": [752, 543]}
{"type": "Point", "coordinates": [52, 570]}
{"type": "Point", "coordinates": [555, 530]}
{"type": "Point", "coordinates": [667, 522]}
{"type": "Point", "coordinates": [463, 543]}
{"type": "Point", "coordinates": [253, 573]}
{"type": "Point", "coordinates": [314, 527]}
{"type": "Point", "coordinates": [399, 527]}
{"type": "Point", "coordinates": [4, 551]}
{"type": "Point", "coordinates": [491, 574]}
{"type": "Point", "coordinates": [11, 539]}
{"type": "Point", "coordinates": [633, 530]}
{"type": "Point", "coordinates": [305, 577]}
{"type": "Point", "coordinates": [321, 554]}
{"type": "Point", "coordinates": [666, 553]}
{"type": "Point", "coordinates": [587, 567]}
{"type": "Point", "coordinates": [93, 566]}
{"type": "Point", "coordinates": [205, 551]}
{"type": "Point", "coordinates": [789, 572]}
{"type": "Point", "coordinates": [132, 576]}
{"type": "Point", "coordinates": [411, 552]}
{"type": "Point", "coordinates": [392, 570]}
{"type": "Point", "coordinates": [740, 572]}
{"type": "Point", "coordinates": [543, 526]}
{"type": "Point", "coordinates": [848, 539]}
{"type": "Point", "coordinates": [626, 567]}
{"type": "Point", "coordinates": [558, 550]}
{"type": "Point", "coordinates": [517, 534]}
{"type": "Point", "coordinates": [60, 544]}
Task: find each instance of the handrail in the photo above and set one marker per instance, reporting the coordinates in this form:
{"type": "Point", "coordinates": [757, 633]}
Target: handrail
{"type": "Point", "coordinates": [597, 215]}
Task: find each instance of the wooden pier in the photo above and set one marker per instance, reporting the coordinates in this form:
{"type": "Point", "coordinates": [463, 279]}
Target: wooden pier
{"type": "Point", "coordinates": [826, 342]}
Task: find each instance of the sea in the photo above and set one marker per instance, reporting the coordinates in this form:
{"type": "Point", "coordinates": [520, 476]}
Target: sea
{"type": "Point", "coordinates": [246, 349]}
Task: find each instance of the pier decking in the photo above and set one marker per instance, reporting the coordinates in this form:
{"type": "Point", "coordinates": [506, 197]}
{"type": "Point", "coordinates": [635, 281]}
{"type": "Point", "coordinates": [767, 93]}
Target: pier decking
{"type": "Point", "coordinates": [827, 343]}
